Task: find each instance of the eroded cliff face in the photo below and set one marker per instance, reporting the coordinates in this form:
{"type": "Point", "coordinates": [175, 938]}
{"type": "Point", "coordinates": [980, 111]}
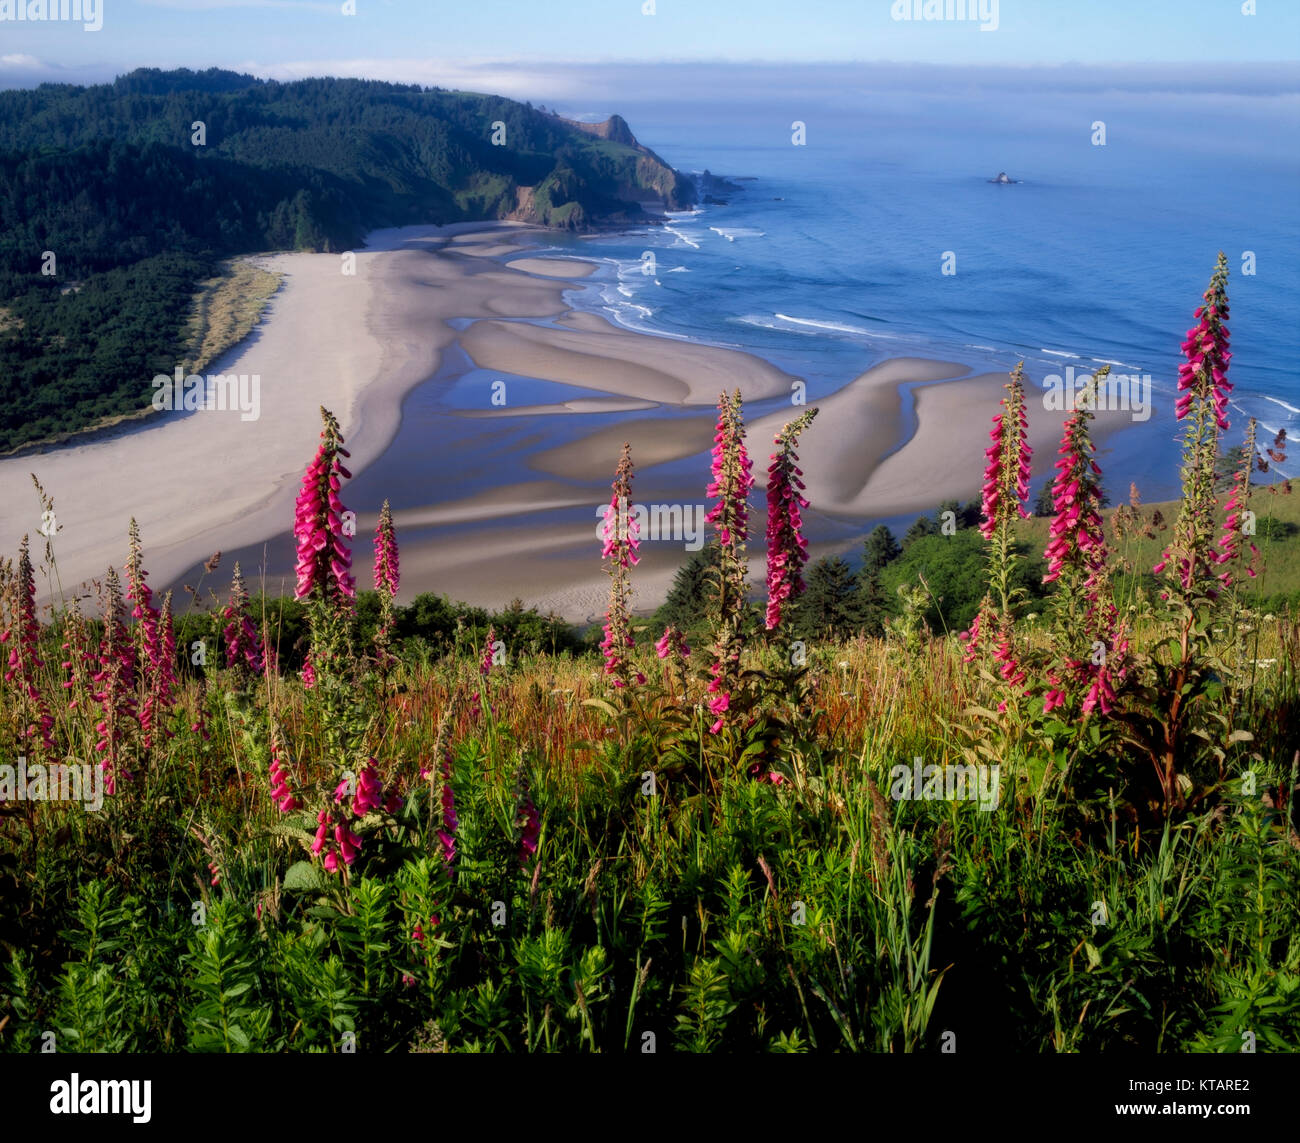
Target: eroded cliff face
{"type": "Point", "coordinates": [649, 178]}
{"type": "Point", "coordinates": [615, 129]}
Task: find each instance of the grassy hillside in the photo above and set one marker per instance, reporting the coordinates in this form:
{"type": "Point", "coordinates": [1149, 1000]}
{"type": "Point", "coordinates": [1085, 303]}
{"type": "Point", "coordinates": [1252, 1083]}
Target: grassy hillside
{"type": "Point", "coordinates": [344, 824]}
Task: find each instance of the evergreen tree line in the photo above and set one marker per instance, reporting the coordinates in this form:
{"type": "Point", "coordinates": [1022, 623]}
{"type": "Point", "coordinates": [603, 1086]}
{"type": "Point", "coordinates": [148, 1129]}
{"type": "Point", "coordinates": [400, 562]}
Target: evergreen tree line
{"type": "Point", "coordinates": [944, 548]}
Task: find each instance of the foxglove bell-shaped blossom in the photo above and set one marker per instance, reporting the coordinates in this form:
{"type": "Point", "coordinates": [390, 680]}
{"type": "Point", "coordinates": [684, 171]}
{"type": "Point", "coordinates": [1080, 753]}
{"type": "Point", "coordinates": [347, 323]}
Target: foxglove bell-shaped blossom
{"type": "Point", "coordinates": [787, 550]}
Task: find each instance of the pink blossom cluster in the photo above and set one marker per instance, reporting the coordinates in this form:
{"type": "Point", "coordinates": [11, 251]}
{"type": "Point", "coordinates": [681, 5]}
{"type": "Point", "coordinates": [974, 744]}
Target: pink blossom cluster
{"type": "Point", "coordinates": [732, 477]}
{"type": "Point", "coordinates": [672, 642]}
{"type": "Point", "coordinates": [344, 843]}
{"type": "Point", "coordinates": [1101, 692]}
{"type": "Point", "coordinates": [23, 635]}
{"type": "Point", "coordinates": [1205, 372]}
{"type": "Point", "coordinates": [1076, 536]}
{"type": "Point", "coordinates": [156, 641]}
{"type": "Point", "coordinates": [323, 555]}
{"type": "Point", "coordinates": [1008, 467]}
{"type": "Point", "coordinates": [621, 540]}
{"type": "Point", "coordinates": [731, 484]}
{"type": "Point", "coordinates": [387, 572]}
{"type": "Point", "coordinates": [242, 639]}
{"type": "Point", "coordinates": [787, 550]}
{"type": "Point", "coordinates": [447, 831]}
{"type": "Point", "coordinates": [721, 701]}
{"type": "Point", "coordinates": [280, 777]}
{"type": "Point", "coordinates": [160, 668]}
{"type": "Point", "coordinates": [485, 670]}
{"type": "Point", "coordinates": [116, 681]}
{"type": "Point", "coordinates": [1230, 542]}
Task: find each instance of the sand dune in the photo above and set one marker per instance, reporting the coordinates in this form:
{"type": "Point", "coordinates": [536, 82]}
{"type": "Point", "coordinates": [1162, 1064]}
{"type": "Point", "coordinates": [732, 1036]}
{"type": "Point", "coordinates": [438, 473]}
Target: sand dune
{"type": "Point", "coordinates": [601, 356]}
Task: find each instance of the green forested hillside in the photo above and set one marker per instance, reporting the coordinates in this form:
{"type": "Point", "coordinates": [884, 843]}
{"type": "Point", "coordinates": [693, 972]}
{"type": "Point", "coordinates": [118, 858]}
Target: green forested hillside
{"type": "Point", "coordinates": [111, 180]}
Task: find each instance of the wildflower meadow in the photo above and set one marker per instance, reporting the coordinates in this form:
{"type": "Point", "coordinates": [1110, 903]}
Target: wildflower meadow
{"type": "Point", "coordinates": [1068, 828]}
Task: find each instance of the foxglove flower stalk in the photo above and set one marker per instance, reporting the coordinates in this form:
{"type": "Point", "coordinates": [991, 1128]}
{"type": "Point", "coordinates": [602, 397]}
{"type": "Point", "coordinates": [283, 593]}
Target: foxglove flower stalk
{"type": "Point", "coordinates": [1204, 375]}
{"type": "Point", "coordinates": [1204, 389]}
{"type": "Point", "coordinates": [370, 791]}
{"type": "Point", "coordinates": [139, 593]}
{"type": "Point", "coordinates": [1005, 491]}
{"type": "Point", "coordinates": [22, 635]}
{"type": "Point", "coordinates": [116, 681]}
{"type": "Point", "coordinates": [673, 643]}
{"type": "Point", "coordinates": [1101, 691]}
{"type": "Point", "coordinates": [485, 671]}
{"type": "Point", "coordinates": [386, 558]}
{"type": "Point", "coordinates": [321, 527]}
{"type": "Point", "coordinates": [447, 801]}
{"type": "Point", "coordinates": [160, 674]}
{"type": "Point", "coordinates": [335, 838]}
{"type": "Point", "coordinates": [732, 481]}
{"type": "Point", "coordinates": [281, 776]}
{"type": "Point", "coordinates": [1238, 503]}
{"type": "Point", "coordinates": [1077, 540]}
{"type": "Point", "coordinates": [81, 662]}
{"type": "Point", "coordinates": [386, 581]}
{"type": "Point", "coordinates": [244, 647]}
{"type": "Point", "coordinates": [787, 550]}
{"type": "Point", "coordinates": [323, 556]}
{"type": "Point", "coordinates": [154, 662]}
{"type": "Point", "coordinates": [1090, 654]}
{"type": "Point", "coordinates": [528, 822]}
{"type": "Point", "coordinates": [441, 793]}
{"type": "Point", "coordinates": [620, 551]}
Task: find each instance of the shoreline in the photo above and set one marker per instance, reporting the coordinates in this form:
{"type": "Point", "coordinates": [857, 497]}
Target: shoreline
{"type": "Point", "coordinates": [376, 348]}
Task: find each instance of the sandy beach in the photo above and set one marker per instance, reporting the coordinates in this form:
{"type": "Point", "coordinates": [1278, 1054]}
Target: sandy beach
{"type": "Point", "coordinates": [359, 344]}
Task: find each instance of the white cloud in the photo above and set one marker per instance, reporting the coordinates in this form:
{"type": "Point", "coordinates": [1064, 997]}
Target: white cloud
{"type": "Point", "coordinates": [520, 80]}
{"type": "Point", "coordinates": [25, 63]}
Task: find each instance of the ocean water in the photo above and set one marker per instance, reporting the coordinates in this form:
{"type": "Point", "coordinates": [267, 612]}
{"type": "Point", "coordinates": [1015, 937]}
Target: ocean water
{"type": "Point", "coordinates": [830, 258]}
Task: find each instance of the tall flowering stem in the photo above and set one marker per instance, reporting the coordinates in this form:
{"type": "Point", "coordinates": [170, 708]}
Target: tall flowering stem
{"type": "Point", "coordinates": [1078, 562]}
{"type": "Point", "coordinates": [528, 822]}
{"type": "Point", "coordinates": [324, 558]}
{"type": "Point", "coordinates": [1004, 495]}
{"type": "Point", "coordinates": [22, 636]}
{"type": "Point", "coordinates": [731, 484]}
{"type": "Point", "coordinates": [621, 539]}
{"type": "Point", "coordinates": [787, 550]}
{"type": "Point", "coordinates": [116, 682]}
{"type": "Point", "coordinates": [442, 821]}
{"type": "Point", "coordinates": [1188, 562]}
{"type": "Point", "coordinates": [485, 673]}
{"type": "Point", "coordinates": [386, 582]}
{"type": "Point", "coordinates": [1238, 505]}
{"type": "Point", "coordinates": [155, 662]}
{"type": "Point", "coordinates": [353, 800]}
{"type": "Point", "coordinates": [81, 661]}
{"type": "Point", "coordinates": [160, 675]}
{"type": "Point", "coordinates": [281, 775]}
{"type": "Point", "coordinates": [244, 647]}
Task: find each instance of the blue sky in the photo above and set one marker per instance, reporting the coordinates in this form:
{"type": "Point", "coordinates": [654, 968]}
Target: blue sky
{"type": "Point", "coordinates": [420, 40]}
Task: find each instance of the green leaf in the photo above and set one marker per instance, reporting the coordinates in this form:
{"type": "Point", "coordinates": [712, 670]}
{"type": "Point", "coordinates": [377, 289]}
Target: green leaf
{"type": "Point", "coordinates": [304, 875]}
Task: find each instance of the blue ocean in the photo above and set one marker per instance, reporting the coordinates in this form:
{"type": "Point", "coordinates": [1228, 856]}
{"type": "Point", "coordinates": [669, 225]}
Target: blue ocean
{"type": "Point", "coordinates": [830, 258]}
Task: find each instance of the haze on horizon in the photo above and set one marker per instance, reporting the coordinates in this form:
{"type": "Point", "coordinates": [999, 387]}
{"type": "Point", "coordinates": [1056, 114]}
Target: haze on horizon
{"type": "Point", "coordinates": [613, 47]}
